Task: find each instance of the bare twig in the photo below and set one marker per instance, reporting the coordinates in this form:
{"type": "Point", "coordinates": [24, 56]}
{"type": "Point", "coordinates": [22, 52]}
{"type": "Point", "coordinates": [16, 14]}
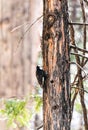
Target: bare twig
{"type": "Point", "coordinates": [39, 127]}
{"type": "Point", "coordinates": [74, 80]}
{"type": "Point", "coordinates": [78, 66]}
{"type": "Point", "coordinates": [19, 26]}
{"type": "Point", "coordinates": [72, 34]}
{"type": "Point", "coordinates": [81, 89]}
{"type": "Point", "coordinates": [80, 49]}
{"type": "Point", "coordinates": [22, 37]}
{"type": "Point", "coordinates": [30, 27]}
{"type": "Point", "coordinates": [80, 75]}
{"type": "Point", "coordinates": [75, 23]}
{"type": "Point", "coordinates": [85, 62]}
{"type": "Point", "coordinates": [83, 56]}
{"type": "Point", "coordinates": [84, 109]}
{"type": "Point", "coordinates": [85, 76]}
{"type": "Point", "coordinates": [84, 27]}
{"type": "Point", "coordinates": [73, 101]}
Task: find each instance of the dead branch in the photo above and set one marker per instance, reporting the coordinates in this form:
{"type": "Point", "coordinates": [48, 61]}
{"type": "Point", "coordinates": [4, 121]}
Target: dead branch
{"type": "Point", "coordinates": [86, 76]}
{"type": "Point", "coordinates": [28, 29]}
{"type": "Point", "coordinates": [77, 54]}
{"type": "Point", "coordinates": [74, 80]}
{"type": "Point", "coordinates": [85, 62]}
{"type": "Point", "coordinates": [84, 109]}
{"type": "Point", "coordinates": [39, 127]}
{"type": "Point", "coordinates": [80, 49]}
{"type": "Point", "coordinates": [73, 101]}
{"type": "Point", "coordinates": [72, 36]}
{"type": "Point", "coordinates": [76, 23]}
{"type": "Point", "coordinates": [80, 89]}
{"type": "Point", "coordinates": [78, 66]}
{"type": "Point", "coordinates": [80, 75]}
{"type": "Point", "coordinates": [84, 27]}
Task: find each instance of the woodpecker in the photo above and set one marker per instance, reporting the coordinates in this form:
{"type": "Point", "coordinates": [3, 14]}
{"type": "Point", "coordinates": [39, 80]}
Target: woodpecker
{"type": "Point", "coordinates": [41, 76]}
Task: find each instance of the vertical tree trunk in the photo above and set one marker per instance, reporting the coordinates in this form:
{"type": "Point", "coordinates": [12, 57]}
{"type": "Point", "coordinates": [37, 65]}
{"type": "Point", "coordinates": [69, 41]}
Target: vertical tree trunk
{"type": "Point", "coordinates": [55, 49]}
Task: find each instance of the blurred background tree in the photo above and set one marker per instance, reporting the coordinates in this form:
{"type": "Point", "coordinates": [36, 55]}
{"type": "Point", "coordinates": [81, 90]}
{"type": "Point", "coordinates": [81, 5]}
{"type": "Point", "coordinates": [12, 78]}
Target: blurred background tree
{"type": "Point", "coordinates": [18, 57]}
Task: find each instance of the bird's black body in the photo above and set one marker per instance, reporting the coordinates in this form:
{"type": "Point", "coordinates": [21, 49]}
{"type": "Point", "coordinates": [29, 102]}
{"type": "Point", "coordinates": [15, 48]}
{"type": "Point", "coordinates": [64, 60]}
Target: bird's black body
{"type": "Point", "coordinates": [41, 75]}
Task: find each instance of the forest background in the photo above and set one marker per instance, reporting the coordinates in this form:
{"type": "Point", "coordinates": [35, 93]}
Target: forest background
{"type": "Point", "coordinates": [20, 52]}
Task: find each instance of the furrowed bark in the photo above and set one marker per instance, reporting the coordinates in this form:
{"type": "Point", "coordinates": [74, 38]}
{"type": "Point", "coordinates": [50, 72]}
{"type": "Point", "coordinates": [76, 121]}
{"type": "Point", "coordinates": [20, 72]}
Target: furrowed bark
{"type": "Point", "coordinates": [55, 51]}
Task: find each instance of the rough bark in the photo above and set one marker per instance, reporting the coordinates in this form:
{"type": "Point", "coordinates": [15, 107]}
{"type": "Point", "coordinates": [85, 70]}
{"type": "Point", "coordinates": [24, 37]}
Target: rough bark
{"type": "Point", "coordinates": [55, 50]}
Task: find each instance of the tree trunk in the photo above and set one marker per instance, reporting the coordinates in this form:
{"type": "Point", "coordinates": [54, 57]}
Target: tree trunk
{"type": "Point", "coordinates": [55, 50]}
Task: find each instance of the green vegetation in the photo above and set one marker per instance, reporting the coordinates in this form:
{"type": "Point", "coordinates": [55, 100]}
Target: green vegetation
{"type": "Point", "coordinates": [16, 112]}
